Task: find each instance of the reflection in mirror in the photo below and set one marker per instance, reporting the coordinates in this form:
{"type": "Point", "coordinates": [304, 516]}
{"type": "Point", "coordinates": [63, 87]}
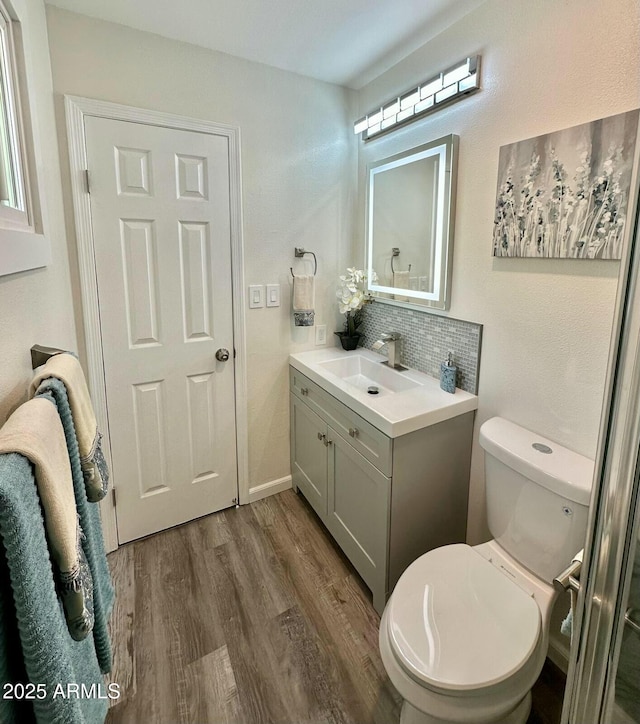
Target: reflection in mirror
{"type": "Point", "coordinates": [410, 204]}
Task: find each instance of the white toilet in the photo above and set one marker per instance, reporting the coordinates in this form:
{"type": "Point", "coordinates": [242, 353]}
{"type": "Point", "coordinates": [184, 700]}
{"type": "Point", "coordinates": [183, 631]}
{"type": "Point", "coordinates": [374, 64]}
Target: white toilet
{"type": "Point", "coordinates": [465, 633]}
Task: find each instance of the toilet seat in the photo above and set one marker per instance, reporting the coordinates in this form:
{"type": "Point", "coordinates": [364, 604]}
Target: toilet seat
{"type": "Point", "coordinates": [456, 623]}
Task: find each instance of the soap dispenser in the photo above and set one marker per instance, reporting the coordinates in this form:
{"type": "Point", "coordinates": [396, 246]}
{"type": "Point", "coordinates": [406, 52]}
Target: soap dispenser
{"type": "Point", "coordinates": [448, 374]}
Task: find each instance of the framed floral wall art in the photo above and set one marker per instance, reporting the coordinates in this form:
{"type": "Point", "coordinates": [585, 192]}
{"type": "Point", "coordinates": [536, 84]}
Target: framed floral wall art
{"type": "Point", "coordinates": [565, 194]}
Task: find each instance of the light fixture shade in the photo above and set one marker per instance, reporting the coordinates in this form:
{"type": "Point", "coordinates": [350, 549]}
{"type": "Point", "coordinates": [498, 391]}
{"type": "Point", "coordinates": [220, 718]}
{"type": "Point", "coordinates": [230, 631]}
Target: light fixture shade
{"type": "Point", "coordinates": [410, 99]}
{"type": "Point", "coordinates": [391, 109]}
{"type": "Point", "coordinates": [361, 125]}
{"type": "Point", "coordinates": [456, 73]}
{"type": "Point", "coordinates": [433, 86]}
{"type": "Point", "coordinates": [446, 93]}
{"type": "Point", "coordinates": [407, 113]}
{"type": "Point", "coordinates": [468, 83]}
{"type": "Point", "coordinates": [374, 118]}
{"type": "Point", "coordinates": [449, 85]}
{"type": "Point", "coordinates": [425, 104]}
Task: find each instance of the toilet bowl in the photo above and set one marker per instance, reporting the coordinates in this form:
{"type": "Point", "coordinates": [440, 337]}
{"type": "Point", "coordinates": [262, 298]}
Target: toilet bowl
{"type": "Point", "coordinates": [464, 634]}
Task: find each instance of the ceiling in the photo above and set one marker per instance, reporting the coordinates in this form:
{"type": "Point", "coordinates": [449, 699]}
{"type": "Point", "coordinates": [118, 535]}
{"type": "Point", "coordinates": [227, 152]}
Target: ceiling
{"type": "Point", "coordinates": [348, 42]}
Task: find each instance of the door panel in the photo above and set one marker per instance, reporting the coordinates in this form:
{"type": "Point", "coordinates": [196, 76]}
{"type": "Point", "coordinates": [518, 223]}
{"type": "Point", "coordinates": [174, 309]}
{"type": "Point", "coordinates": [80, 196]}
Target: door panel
{"type": "Point", "coordinates": [309, 455]}
{"type": "Point", "coordinates": [160, 210]}
{"type": "Point", "coordinates": [359, 512]}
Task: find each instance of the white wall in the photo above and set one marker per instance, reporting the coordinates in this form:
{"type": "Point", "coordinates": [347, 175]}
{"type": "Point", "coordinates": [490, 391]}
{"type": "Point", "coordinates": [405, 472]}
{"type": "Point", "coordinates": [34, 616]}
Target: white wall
{"type": "Point", "coordinates": [547, 323]}
{"type": "Point", "coordinates": [35, 306]}
{"type": "Point", "coordinates": [546, 66]}
{"type": "Point", "coordinates": [298, 167]}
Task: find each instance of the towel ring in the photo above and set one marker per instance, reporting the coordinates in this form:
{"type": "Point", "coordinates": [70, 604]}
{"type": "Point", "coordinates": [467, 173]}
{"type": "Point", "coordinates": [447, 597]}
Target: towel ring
{"type": "Point", "coordinates": [299, 253]}
{"type": "Point", "coordinates": [395, 252]}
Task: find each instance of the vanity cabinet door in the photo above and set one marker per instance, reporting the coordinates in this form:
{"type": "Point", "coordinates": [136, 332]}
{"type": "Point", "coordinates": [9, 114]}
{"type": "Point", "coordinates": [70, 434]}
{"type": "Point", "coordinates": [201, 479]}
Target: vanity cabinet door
{"type": "Point", "coordinates": [358, 513]}
{"type": "Point", "coordinates": [309, 455]}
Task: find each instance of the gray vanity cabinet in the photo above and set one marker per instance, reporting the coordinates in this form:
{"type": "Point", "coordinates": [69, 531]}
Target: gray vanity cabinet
{"type": "Point", "coordinates": [385, 501]}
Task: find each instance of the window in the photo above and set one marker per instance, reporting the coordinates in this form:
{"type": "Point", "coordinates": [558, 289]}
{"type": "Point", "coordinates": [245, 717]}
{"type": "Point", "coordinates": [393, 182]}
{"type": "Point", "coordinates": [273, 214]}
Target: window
{"type": "Point", "coordinates": [23, 246]}
{"type": "Point", "coordinates": [14, 199]}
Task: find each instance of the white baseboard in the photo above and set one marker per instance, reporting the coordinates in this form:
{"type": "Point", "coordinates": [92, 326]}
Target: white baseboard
{"type": "Point", "coordinates": [271, 488]}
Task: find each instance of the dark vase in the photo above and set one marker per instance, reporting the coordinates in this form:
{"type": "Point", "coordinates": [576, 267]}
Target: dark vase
{"type": "Point", "coordinates": [348, 341]}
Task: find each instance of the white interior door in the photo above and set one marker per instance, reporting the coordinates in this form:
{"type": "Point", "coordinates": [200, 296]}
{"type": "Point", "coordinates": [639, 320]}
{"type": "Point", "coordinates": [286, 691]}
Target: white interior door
{"type": "Point", "coordinates": [160, 213]}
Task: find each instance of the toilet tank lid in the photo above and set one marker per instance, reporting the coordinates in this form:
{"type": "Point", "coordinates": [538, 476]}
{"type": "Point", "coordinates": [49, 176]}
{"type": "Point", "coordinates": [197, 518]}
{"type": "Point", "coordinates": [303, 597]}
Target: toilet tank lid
{"type": "Point", "coordinates": [562, 471]}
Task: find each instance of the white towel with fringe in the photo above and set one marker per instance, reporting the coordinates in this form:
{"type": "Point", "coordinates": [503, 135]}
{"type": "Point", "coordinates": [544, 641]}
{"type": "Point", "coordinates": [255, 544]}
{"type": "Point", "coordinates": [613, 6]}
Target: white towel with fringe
{"type": "Point", "coordinates": [401, 279]}
{"type": "Point", "coordinates": [304, 300]}
{"type": "Point", "coordinates": [66, 368]}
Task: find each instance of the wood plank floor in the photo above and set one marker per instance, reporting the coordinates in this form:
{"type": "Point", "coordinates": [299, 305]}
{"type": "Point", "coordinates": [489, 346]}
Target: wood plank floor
{"type": "Point", "coordinates": [251, 616]}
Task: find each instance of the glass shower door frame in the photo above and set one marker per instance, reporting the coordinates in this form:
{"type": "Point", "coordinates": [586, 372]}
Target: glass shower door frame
{"type": "Point", "coordinates": [599, 617]}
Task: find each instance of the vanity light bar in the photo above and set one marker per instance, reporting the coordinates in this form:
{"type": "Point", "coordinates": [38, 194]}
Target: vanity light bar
{"type": "Point", "coordinates": [448, 86]}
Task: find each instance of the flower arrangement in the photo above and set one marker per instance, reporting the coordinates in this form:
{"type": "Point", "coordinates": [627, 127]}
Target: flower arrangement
{"type": "Point", "coordinates": [352, 297]}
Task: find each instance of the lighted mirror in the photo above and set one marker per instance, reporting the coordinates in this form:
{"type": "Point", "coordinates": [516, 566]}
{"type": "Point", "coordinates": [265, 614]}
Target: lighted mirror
{"type": "Point", "coordinates": [410, 214]}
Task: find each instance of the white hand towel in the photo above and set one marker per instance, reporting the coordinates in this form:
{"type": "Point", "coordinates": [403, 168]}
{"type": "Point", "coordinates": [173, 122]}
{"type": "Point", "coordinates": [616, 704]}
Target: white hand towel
{"type": "Point", "coordinates": [304, 300]}
{"type": "Point", "coordinates": [401, 279]}
{"type": "Point", "coordinates": [35, 431]}
{"type": "Point", "coordinates": [67, 369]}
{"type": "Point", "coordinates": [303, 293]}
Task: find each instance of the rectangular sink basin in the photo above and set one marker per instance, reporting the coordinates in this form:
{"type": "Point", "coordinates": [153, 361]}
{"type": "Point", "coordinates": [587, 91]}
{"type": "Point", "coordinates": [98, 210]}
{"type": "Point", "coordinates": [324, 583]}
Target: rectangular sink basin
{"type": "Point", "coordinates": [406, 401]}
{"type": "Point", "coordinates": [368, 375]}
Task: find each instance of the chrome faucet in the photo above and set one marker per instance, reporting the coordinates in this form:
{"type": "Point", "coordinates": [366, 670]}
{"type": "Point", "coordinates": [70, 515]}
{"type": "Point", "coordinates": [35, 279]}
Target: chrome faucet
{"type": "Point", "coordinates": [393, 351]}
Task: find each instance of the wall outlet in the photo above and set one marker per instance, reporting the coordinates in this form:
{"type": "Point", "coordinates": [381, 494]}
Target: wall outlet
{"type": "Point", "coordinates": [321, 334]}
{"type": "Point", "coordinates": [256, 296]}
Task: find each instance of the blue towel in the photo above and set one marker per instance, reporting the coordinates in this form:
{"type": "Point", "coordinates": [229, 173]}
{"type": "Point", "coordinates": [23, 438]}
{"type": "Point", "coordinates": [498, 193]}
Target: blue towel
{"type": "Point", "coordinates": [93, 544]}
{"type": "Point", "coordinates": [566, 628]}
{"type": "Point", "coordinates": [35, 644]}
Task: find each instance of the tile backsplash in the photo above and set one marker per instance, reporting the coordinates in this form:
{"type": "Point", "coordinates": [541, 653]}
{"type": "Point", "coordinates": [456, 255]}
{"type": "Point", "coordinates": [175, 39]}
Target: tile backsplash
{"type": "Point", "coordinates": [426, 340]}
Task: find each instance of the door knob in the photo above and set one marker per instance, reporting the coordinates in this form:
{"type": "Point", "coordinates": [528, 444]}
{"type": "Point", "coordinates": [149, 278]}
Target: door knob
{"type": "Point", "coordinates": [222, 355]}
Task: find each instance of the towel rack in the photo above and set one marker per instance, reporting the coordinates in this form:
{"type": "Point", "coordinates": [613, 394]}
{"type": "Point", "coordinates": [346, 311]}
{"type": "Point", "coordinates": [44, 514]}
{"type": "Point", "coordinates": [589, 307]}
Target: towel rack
{"type": "Point", "coordinates": [395, 252]}
{"type": "Point", "coordinates": [299, 253]}
{"type": "Point", "coordinates": [569, 579]}
{"type": "Point", "coordinates": [40, 354]}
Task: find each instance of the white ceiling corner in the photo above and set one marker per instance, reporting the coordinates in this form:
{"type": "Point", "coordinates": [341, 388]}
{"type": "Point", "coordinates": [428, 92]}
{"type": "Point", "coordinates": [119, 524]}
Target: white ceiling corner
{"type": "Point", "coordinates": [348, 42]}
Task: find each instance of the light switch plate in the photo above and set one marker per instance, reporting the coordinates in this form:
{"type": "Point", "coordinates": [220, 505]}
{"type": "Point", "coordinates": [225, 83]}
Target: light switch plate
{"type": "Point", "coordinates": [273, 295]}
{"type": "Point", "coordinates": [256, 296]}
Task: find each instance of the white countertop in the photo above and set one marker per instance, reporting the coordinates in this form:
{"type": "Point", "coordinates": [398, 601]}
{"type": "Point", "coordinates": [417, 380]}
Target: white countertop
{"type": "Point", "coordinates": [393, 414]}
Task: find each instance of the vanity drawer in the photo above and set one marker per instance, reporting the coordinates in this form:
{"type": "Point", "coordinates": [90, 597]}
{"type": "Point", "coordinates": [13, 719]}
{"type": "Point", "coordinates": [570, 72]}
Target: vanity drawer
{"type": "Point", "coordinates": [372, 444]}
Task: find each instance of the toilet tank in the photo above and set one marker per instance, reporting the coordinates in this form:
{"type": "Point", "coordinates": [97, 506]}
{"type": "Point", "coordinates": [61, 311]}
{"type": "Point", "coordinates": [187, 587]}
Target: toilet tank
{"type": "Point", "coordinates": [537, 496]}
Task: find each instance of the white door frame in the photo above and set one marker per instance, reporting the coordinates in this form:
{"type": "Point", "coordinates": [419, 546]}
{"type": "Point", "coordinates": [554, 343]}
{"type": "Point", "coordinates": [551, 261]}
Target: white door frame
{"type": "Point", "coordinates": [77, 109]}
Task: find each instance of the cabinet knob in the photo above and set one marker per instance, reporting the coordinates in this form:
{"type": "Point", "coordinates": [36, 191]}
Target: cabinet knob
{"type": "Point", "coordinates": [354, 432]}
{"type": "Point", "coordinates": [304, 390]}
{"type": "Point", "coordinates": [320, 436]}
{"type": "Point", "coordinates": [328, 442]}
